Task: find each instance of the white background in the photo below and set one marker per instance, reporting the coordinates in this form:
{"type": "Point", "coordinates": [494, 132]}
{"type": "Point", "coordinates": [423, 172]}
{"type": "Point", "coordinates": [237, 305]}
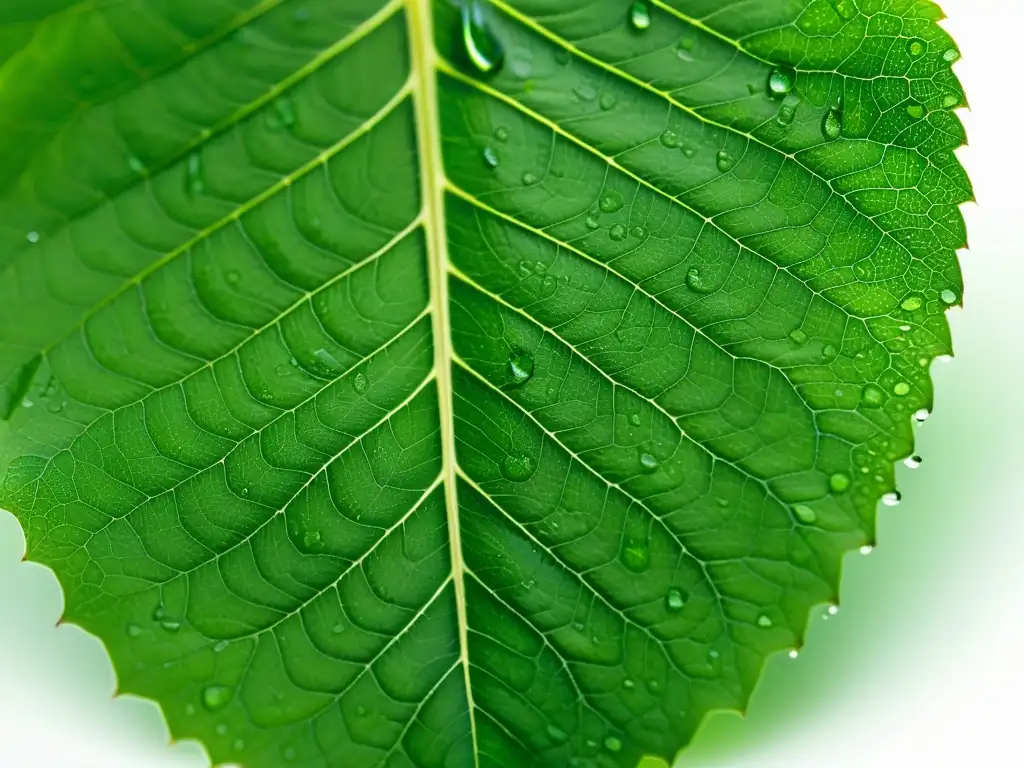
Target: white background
{"type": "Point", "coordinates": [922, 666]}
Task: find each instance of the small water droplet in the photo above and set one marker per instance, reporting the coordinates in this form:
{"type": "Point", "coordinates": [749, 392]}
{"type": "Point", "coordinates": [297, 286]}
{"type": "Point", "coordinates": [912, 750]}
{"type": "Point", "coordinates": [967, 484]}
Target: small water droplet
{"type": "Point", "coordinates": [592, 222]}
{"type": "Point", "coordinates": [872, 396]}
{"type": "Point", "coordinates": [916, 111]}
{"type": "Point", "coordinates": [239, 745]}
{"type": "Point", "coordinates": [798, 337]}
{"type": "Point", "coordinates": [326, 359]}
{"type": "Point", "coordinates": [912, 303]}
{"type": "Point", "coordinates": [136, 165]}
{"type": "Point", "coordinates": [639, 16]}
{"type": "Point", "coordinates": [635, 419]}
{"type": "Point", "coordinates": [585, 92]}
{"type": "Point", "coordinates": [951, 55]}
{"type": "Point", "coordinates": [636, 556]}
{"type": "Point", "coordinates": [134, 630]}
{"type": "Point", "coordinates": [482, 48]}
{"type": "Point", "coordinates": [831, 125]}
{"type": "Point", "coordinates": [829, 352]}
{"type": "Point", "coordinates": [610, 202]}
{"type": "Point", "coordinates": [794, 653]}
{"type": "Point", "coordinates": [947, 296]}
{"type": "Point", "coordinates": [833, 610]}
{"type": "Point", "coordinates": [628, 684]}
{"type": "Point", "coordinates": [839, 483]}
{"type": "Point", "coordinates": [289, 753]}
{"type": "Point", "coordinates": [916, 47]}
{"type": "Point", "coordinates": [675, 600]}
{"type": "Point", "coordinates": [556, 734]}
{"type": "Point", "coordinates": [695, 282]}
{"type": "Point", "coordinates": [617, 232]}
{"type": "Point", "coordinates": [950, 100]}
{"type": "Point", "coordinates": [892, 498]}
{"type": "Point", "coordinates": [640, 233]}
{"type": "Point", "coordinates": [501, 134]}
{"type": "Point", "coordinates": [804, 513]}
{"type": "Point", "coordinates": [170, 626]}
{"type": "Point", "coordinates": [517, 467]}
{"type": "Point", "coordinates": [301, 14]}
{"type": "Point", "coordinates": [764, 622]}
{"type": "Point", "coordinates": [221, 729]}
{"type": "Point", "coordinates": [724, 161]}
{"type": "Point", "coordinates": [867, 549]}
{"type": "Point", "coordinates": [490, 158]}
{"type": "Point", "coordinates": [786, 114]}
{"type": "Point", "coordinates": [922, 414]}
{"type": "Point", "coordinates": [608, 101]}
{"type": "Point", "coordinates": [312, 541]}
{"type": "Point", "coordinates": [684, 48]}
{"type": "Point", "coordinates": [32, 237]}
{"type": "Point", "coordinates": [360, 383]}
{"type": "Point", "coordinates": [562, 56]}
{"type": "Point", "coordinates": [913, 462]}
{"type": "Point", "coordinates": [781, 81]}
{"type": "Point", "coordinates": [194, 184]}
{"type": "Point", "coordinates": [613, 744]}
{"type": "Point", "coordinates": [520, 367]}
{"type": "Point", "coordinates": [669, 139]}
{"type": "Point", "coordinates": [529, 179]}
{"type": "Point", "coordinates": [846, 9]}
{"type": "Point", "coordinates": [338, 628]}
{"type": "Point", "coordinates": [901, 388]}
{"type": "Point", "coordinates": [216, 697]}
{"type": "Point", "coordinates": [219, 647]}
{"type": "Point", "coordinates": [648, 462]}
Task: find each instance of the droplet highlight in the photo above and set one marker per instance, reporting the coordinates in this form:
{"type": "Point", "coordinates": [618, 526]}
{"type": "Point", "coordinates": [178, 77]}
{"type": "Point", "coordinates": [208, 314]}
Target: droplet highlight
{"type": "Point", "coordinates": [481, 47]}
{"type": "Point", "coordinates": [639, 16]}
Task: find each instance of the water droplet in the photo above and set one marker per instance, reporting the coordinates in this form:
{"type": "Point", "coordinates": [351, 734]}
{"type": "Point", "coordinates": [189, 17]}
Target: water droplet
{"type": "Point", "coordinates": [239, 745]}
{"type": "Point", "coordinates": [675, 600]}
{"type": "Point", "coordinates": [301, 14]}
{"type": "Point", "coordinates": [608, 101]}
{"type": "Point", "coordinates": [640, 233]}
{"type": "Point", "coordinates": [635, 419]}
{"type": "Point", "coordinates": [950, 100]}
{"type": "Point", "coordinates": [695, 282]}
{"type": "Point", "coordinates": [648, 462]}
{"type": "Point", "coordinates": [171, 626]}
{"type": "Point", "coordinates": [683, 49]}
{"type": "Point", "coordinates": [136, 165]}
{"type": "Point", "coordinates": [639, 16]}
{"type": "Point", "coordinates": [216, 697]}
{"type": "Point", "coordinates": [326, 359]}
{"type": "Point", "coordinates": [829, 352]}
{"type": "Point", "coordinates": [786, 114]}
{"type": "Point", "coordinates": [636, 555]}
{"type": "Point", "coordinates": [529, 179]}
{"type": "Point", "coordinates": [520, 367]}
{"type": "Point", "coordinates": [688, 151]}
{"type": "Point", "coordinates": [892, 498]}
{"type": "Point", "coordinates": [724, 161]}
{"type": "Point", "coordinates": [832, 125]}
{"type": "Point", "coordinates": [951, 55]}
{"type": "Point", "coordinates": [338, 628]}
{"type": "Point", "coordinates": [32, 237]}
{"type": "Point", "coordinates": [360, 383]}
{"type": "Point", "coordinates": [585, 92]}
{"type": "Point", "coordinates": [872, 396]}
{"type": "Point", "coordinates": [916, 47]}
{"type": "Point", "coordinates": [916, 111]}
{"type": "Point", "coordinates": [194, 184]}
{"type": "Point", "coordinates": [867, 549]}
{"type": "Point", "coordinates": [922, 414]}
{"type": "Point", "coordinates": [947, 296]}
{"type": "Point", "coordinates": [839, 483]}
{"type": "Point", "coordinates": [912, 303]}
{"type": "Point", "coordinates": [613, 744]}
{"type": "Point", "coordinates": [562, 56]}
{"type": "Point", "coordinates": [312, 541]}
{"type": "Point", "coordinates": [289, 753]}
{"type": "Point", "coordinates": [794, 653]}
{"type": "Point", "coordinates": [764, 622]}
{"type": "Point", "coordinates": [781, 81]}
{"type": "Point", "coordinates": [913, 462]}
{"type": "Point", "coordinates": [517, 467]}
{"type": "Point", "coordinates": [219, 647]}
{"type": "Point", "coordinates": [221, 729]}
{"type": "Point", "coordinates": [798, 337]}
{"type": "Point", "coordinates": [556, 734]}
{"type": "Point", "coordinates": [833, 610]}
{"type": "Point", "coordinates": [617, 232]}
{"type": "Point", "coordinates": [628, 684]}
{"type": "Point", "coordinates": [284, 113]}
{"type": "Point", "coordinates": [669, 139]}
{"type": "Point", "coordinates": [361, 710]}
{"type": "Point", "coordinates": [490, 159]}
{"type": "Point", "coordinates": [610, 202]}
{"type": "Point", "coordinates": [482, 48]}
{"type": "Point", "coordinates": [804, 513]}
{"type": "Point", "coordinates": [134, 630]}
{"type": "Point", "coordinates": [592, 222]}
{"type": "Point", "coordinates": [653, 685]}
{"type": "Point", "coordinates": [901, 389]}
{"type": "Point", "coordinates": [501, 134]}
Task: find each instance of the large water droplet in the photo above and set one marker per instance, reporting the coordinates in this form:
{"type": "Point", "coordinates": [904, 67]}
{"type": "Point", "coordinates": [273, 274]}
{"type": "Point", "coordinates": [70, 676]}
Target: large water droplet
{"type": "Point", "coordinates": [912, 303]}
{"type": "Point", "coordinates": [832, 125]}
{"type": "Point", "coordinates": [921, 415]}
{"type": "Point", "coordinates": [948, 297]}
{"type": "Point", "coordinates": [781, 81]}
{"type": "Point", "coordinates": [517, 467]}
{"type": "Point", "coordinates": [913, 462]}
{"type": "Point", "coordinates": [675, 600]}
{"type": "Point", "coordinates": [724, 161]}
{"type": "Point", "coordinates": [481, 46]}
{"type": "Point", "coordinates": [520, 367]}
{"type": "Point", "coordinates": [839, 483]}
{"type": "Point", "coordinates": [804, 513]}
{"type": "Point", "coordinates": [639, 16]}
{"type": "Point", "coordinates": [610, 202]}
{"type": "Point", "coordinates": [872, 396]}
{"type": "Point", "coordinates": [892, 498]}
{"type": "Point", "coordinates": [216, 697]}
{"type": "Point", "coordinates": [649, 462]}
{"type": "Point", "coordinates": [636, 555]}
{"type": "Point", "coordinates": [360, 383]}
{"type": "Point", "coordinates": [669, 139]}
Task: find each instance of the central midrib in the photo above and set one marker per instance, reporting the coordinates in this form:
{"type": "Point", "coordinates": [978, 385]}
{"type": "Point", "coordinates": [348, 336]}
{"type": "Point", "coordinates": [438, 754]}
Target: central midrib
{"type": "Point", "coordinates": [428, 132]}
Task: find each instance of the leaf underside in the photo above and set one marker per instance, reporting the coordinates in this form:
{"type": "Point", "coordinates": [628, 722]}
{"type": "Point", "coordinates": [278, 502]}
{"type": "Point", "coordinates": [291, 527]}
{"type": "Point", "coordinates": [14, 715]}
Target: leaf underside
{"type": "Point", "coordinates": [408, 384]}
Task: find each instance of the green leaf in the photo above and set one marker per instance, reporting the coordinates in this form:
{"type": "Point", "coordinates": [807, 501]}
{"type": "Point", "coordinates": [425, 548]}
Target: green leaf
{"type": "Point", "coordinates": [422, 384]}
